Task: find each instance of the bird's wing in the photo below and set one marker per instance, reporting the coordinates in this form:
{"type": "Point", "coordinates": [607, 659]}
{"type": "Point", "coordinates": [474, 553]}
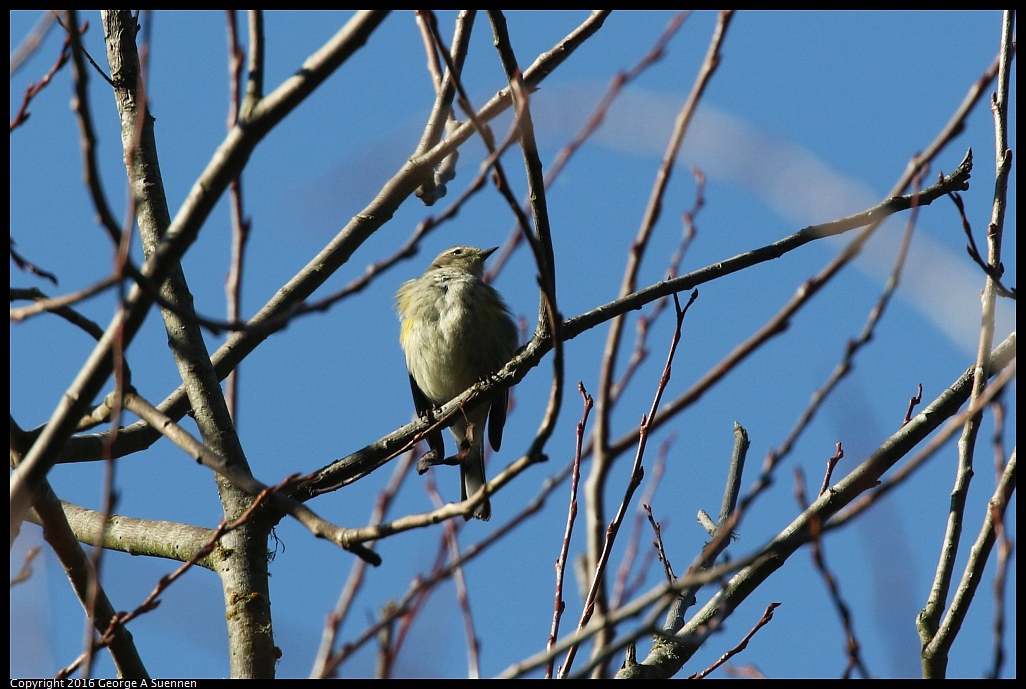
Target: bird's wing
{"type": "Point", "coordinates": [497, 419]}
{"type": "Point", "coordinates": [436, 445]}
{"type": "Point", "coordinates": [420, 400]}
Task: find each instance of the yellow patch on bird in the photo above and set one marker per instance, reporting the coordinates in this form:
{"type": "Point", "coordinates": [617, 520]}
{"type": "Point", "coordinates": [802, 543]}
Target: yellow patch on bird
{"type": "Point", "coordinates": [405, 330]}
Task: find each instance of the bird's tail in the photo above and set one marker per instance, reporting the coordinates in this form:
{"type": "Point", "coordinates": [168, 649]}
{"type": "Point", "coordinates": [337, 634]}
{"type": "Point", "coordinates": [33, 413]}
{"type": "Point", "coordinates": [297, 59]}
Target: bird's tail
{"type": "Point", "coordinates": [472, 472]}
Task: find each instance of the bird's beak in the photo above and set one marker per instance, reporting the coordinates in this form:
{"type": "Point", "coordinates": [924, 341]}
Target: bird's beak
{"type": "Point", "coordinates": [488, 252]}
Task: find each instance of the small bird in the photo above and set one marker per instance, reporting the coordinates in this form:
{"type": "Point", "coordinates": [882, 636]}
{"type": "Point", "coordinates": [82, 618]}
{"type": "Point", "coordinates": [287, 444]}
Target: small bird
{"type": "Point", "coordinates": [456, 330]}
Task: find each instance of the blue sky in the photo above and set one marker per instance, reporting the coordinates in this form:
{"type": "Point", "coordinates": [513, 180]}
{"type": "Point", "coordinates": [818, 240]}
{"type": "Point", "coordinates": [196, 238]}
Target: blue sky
{"type": "Point", "coordinates": [810, 117]}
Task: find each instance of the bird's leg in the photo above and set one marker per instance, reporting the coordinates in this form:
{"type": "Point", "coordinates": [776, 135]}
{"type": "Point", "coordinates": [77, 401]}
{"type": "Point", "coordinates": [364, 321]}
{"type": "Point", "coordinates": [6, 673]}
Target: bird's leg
{"type": "Point", "coordinates": [468, 442]}
{"type": "Point", "coordinates": [435, 454]}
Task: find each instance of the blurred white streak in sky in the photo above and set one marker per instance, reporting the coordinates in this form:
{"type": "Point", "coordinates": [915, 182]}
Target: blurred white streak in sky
{"type": "Point", "coordinates": [944, 286]}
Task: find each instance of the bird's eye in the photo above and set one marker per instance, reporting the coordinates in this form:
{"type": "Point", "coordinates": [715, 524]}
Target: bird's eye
{"type": "Point", "coordinates": [457, 252]}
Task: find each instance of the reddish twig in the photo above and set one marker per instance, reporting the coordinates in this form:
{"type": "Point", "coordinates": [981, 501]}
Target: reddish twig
{"type": "Point", "coordinates": [336, 618]}
{"type": "Point", "coordinates": [152, 601]}
{"type": "Point", "coordinates": [658, 543]}
{"type": "Point", "coordinates": [560, 604]}
{"type": "Point", "coordinates": [32, 90]}
{"type": "Point", "coordinates": [616, 86]}
{"type": "Point", "coordinates": [1004, 545]}
{"type": "Point", "coordinates": [994, 272]}
{"type": "Point", "coordinates": [240, 223]}
{"type": "Point", "coordinates": [622, 588]}
{"type": "Point", "coordinates": [449, 544]}
{"type": "Point", "coordinates": [420, 586]}
{"type": "Point", "coordinates": [912, 402]}
{"type": "Point", "coordinates": [24, 264]}
{"type": "Point", "coordinates": [25, 573]}
{"type": "Point", "coordinates": [767, 615]}
{"type": "Point", "coordinates": [637, 473]}
{"type": "Point", "coordinates": [936, 442]}
{"type": "Point", "coordinates": [32, 41]}
{"type": "Point", "coordinates": [1005, 548]}
{"type": "Point", "coordinates": [603, 456]}
{"type": "Point", "coordinates": [852, 645]}
{"type": "Point", "coordinates": [645, 321]}
{"type": "Point", "coordinates": [831, 463]}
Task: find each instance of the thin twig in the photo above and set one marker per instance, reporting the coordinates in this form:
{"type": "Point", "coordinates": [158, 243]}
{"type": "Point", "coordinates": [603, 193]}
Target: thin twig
{"type": "Point", "coordinates": [869, 220]}
{"type": "Point", "coordinates": [844, 366]}
{"type": "Point", "coordinates": [602, 454]}
{"type": "Point", "coordinates": [32, 41]}
{"type": "Point", "coordinates": [753, 569]}
{"type": "Point", "coordinates": [151, 602]}
{"type": "Point", "coordinates": [645, 321]}
{"type": "Point", "coordinates": [936, 442]}
{"type": "Point", "coordinates": [421, 585]}
{"type": "Point", "coordinates": [993, 272]}
{"type": "Point", "coordinates": [622, 588]}
{"type": "Point", "coordinates": [935, 638]}
{"type": "Point", "coordinates": [564, 550]}
{"type": "Point", "coordinates": [763, 621]}
{"type": "Point", "coordinates": [180, 234]}
{"type": "Point", "coordinates": [354, 582]}
{"type": "Point", "coordinates": [852, 645]}
{"type": "Point", "coordinates": [1004, 545]}
{"type": "Point", "coordinates": [240, 223]}
{"type": "Point", "coordinates": [24, 264]}
{"type": "Point", "coordinates": [637, 473]}
{"type": "Point", "coordinates": [25, 573]}
{"type": "Point", "coordinates": [244, 481]}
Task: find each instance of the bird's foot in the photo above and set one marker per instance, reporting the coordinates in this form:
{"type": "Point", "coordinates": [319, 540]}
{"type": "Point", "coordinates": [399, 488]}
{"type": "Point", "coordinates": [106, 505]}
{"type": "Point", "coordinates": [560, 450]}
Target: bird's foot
{"type": "Point", "coordinates": [428, 460]}
{"type": "Point", "coordinates": [432, 458]}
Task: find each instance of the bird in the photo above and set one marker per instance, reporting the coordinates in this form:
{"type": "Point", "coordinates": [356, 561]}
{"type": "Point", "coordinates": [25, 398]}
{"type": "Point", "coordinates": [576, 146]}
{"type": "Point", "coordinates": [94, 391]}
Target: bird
{"type": "Point", "coordinates": [455, 331]}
